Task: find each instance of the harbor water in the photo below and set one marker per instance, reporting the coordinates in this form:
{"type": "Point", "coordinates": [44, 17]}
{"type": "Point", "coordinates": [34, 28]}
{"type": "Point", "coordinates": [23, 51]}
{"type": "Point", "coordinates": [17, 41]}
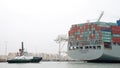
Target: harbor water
{"type": "Point", "coordinates": [61, 65]}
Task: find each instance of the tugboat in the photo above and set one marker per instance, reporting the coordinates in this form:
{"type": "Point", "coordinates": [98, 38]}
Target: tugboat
{"type": "Point", "coordinates": [23, 58]}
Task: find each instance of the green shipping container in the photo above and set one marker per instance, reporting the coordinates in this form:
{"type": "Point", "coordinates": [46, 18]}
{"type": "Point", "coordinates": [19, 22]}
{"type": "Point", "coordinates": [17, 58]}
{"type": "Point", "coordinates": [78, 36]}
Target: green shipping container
{"type": "Point", "coordinates": [116, 35]}
{"type": "Point", "coordinates": [105, 36]}
{"type": "Point", "coordinates": [80, 24]}
{"type": "Point", "coordinates": [104, 32]}
{"type": "Point", "coordinates": [77, 33]}
{"type": "Point", "coordinates": [106, 40]}
{"type": "Point", "coordinates": [109, 38]}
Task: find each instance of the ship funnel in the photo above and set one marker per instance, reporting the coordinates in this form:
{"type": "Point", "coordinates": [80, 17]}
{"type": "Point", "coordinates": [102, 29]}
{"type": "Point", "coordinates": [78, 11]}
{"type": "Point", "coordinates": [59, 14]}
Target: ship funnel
{"type": "Point", "coordinates": [22, 48]}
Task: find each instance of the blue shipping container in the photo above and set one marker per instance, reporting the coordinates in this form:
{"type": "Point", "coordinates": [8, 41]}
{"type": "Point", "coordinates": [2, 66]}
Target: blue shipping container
{"type": "Point", "coordinates": [118, 22]}
{"type": "Point", "coordinates": [106, 30]}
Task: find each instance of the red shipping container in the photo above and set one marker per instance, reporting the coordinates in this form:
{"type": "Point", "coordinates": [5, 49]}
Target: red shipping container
{"type": "Point", "coordinates": [116, 32]}
{"type": "Point", "coordinates": [83, 28]}
{"type": "Point", "coordinates": [90, 27]}
{"type": "Point", "coordinates": [116, 39]}
{"type": "Point", "coordinates": [94, 25]}
{"type": "Point", "coordinates": [86, 26]}
{"type": "Point", "coordinates": [115, 28]}
{"type": "Point", "coordinates": [76, 27]}
{"type": "Point", "coordinates": [106, 43]}
{"type": "Point", "coordinates": [97, 28]}
{"type": "Point", "coordinates": [71, 32]}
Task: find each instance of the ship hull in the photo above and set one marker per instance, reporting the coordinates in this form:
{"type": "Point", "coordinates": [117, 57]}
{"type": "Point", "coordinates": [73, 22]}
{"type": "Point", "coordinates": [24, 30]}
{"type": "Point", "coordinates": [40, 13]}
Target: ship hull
{"type": "Point", "coordinates": [96, 55]}
{"type": "Point", "coordinates": [34, 60]}
{"type": "Point", "coordinates": [106, 59]}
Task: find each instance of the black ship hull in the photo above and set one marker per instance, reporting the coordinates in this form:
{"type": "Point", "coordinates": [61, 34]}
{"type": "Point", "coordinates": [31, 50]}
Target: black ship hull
{"type": "Point", "coordinates": [34, 60]}
{"type": "Point", "coordinates": [106, 59]}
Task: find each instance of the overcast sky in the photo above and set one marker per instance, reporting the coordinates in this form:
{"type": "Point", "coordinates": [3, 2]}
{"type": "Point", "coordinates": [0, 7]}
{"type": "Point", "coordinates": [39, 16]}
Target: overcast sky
{"type": "Point", "coordinates": [38, 22]}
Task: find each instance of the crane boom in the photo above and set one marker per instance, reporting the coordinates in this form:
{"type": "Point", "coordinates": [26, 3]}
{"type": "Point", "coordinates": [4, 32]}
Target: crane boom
{"type": "Point", "coordinates": [100, 16]}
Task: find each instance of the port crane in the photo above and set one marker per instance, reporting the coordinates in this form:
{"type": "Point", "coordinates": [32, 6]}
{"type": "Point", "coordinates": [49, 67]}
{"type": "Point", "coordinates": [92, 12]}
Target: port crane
{"type": "Point", "coordinates": [61, 40]}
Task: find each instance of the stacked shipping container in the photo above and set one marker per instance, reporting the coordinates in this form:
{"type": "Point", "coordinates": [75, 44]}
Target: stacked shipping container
{"type": "Point", "coordinates": [115, 34]}
{"type": "Point", "coordinates": [83, 34]}
{"type": "Point", "coordinates": [94, 33]}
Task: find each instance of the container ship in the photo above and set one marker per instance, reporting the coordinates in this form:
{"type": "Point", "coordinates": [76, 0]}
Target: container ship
{"type": "Point", "coordinates": [22, 57]}
{"type": "Point", "coordinates": [95, 41]}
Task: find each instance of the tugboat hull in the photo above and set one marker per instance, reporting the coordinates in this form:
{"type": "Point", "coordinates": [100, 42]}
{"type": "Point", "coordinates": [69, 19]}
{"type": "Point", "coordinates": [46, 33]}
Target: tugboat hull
{"type": "Point", "coordinates": [34, 60]}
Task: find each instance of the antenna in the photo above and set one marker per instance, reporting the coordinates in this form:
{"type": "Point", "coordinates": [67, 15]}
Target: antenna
{"type": "Point", "coordinates": [100, 16]}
